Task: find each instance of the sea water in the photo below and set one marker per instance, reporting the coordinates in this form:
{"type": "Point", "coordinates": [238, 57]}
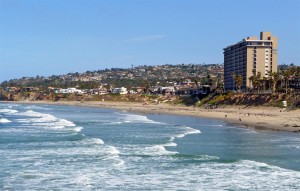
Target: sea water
{"type": "Point", "coordinates": [47, 147]}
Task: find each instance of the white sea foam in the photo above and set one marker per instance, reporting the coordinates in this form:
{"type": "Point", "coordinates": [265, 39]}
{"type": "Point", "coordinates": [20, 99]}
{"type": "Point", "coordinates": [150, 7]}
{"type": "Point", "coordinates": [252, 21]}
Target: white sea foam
{"type": "Point", "coordinates": [47, 120]}
{"type": "Point", "coordinates": [77, 129]}
{"type": "Point", "coordinates": [23, 120]}
{"type": "Point", "coordinates": [197, 177]}
{"type": "Point", "coordinates": [83, 180]}
{"type": "Point", "coordinates": [97, 166]}
{"type": "Point", "coordinates": [165, 173]}
{"type": "Point", "coordinates": [221, 125]}
{"type": "Point", "coordinates": [8, 111]}
{"type": "Point", "coordinates": [37, 107]}
{"type": "Point", "coordinates": [180, 135]}
{"type": "Point", "coordinates": [65, 122]}
{"type": "Point", "coordinates": [112, 154]}
{"type": "Point", "coordinates": [16, 131]}
{"type": "Point", "coordinates": [241, 174]}
{"type": "Point", "coordinates": [132, 118]}
{"type": "Point", "coordinates": [188, 131]}
{"type": "Point", "coordinates": [170, 144]}
{"type": "Point", "coordinates": [157, 150]}
{"type": "Point", "coordinates": [38, 117]}
{"type": "Point", "coordinates": [172, 139]}
{"type": "Point", "coordinates": [195, 131]}
{"type": "Point", "coordinates": [97, 141]}
{"type": "Point", "coordinates": [112, 150]}
{"type": "Point", "coordinates": [192, 130]}
{"type": "Point", "coordinates": [56, 127]}
{"type": "Point", "coordinates": [91, 141]}
{"type": "Point", "coordinates": [4, 120]}
{"type": "Point", "coordinates": [113, 123]}
{"type": "Point", "coordinates": [120, 163]}
{"type": "Point", "coordinates": [206, 158]}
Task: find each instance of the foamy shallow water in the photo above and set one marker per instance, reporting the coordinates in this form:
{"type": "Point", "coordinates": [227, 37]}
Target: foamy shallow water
{"type": "Point", "coordinates": [68, 148]}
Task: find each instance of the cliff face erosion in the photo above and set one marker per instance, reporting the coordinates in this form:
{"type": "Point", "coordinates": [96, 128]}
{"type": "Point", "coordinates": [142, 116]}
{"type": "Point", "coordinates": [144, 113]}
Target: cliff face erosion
{"type": "Point", "coordinates": [272, 100]}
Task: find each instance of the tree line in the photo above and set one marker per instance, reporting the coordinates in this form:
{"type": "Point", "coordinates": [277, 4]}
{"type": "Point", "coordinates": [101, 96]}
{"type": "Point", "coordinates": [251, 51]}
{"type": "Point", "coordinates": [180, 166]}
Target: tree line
{"type": "Point", "coordinates": [274, 81]}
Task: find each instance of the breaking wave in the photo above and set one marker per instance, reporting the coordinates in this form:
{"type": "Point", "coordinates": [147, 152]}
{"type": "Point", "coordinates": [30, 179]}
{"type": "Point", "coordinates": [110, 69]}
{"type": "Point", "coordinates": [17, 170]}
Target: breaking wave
{"type": "Point", "coordinates": [4, 120]}
{"type": "Point", "coordinates": [47, 121]}
{"type": "Point", "coordinates": [132, 118]}
{"type": "Point", "coordinates": [157, 150]}
{"type": "Point", "coordinates": [8, 111]}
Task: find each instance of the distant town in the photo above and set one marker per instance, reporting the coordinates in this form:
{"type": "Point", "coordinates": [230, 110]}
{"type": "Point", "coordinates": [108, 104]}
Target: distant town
{"type": "Point", "coordinates": [181, 79]}
{"type": "Point", "coordinates": [141, 79]}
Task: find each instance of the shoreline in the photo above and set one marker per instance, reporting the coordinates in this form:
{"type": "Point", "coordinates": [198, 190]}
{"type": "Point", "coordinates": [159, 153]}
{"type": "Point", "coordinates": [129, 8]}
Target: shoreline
{"type": "Point", "coordinates": [256, 118]}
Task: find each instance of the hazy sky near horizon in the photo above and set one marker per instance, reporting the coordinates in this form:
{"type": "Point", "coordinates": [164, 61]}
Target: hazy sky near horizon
{"type": "Point", "coordinates": [45, 37]}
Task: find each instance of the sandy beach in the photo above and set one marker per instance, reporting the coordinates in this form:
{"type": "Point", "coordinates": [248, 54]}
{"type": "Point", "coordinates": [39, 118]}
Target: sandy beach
{"type": "Point", "coordinates": [258, 118]}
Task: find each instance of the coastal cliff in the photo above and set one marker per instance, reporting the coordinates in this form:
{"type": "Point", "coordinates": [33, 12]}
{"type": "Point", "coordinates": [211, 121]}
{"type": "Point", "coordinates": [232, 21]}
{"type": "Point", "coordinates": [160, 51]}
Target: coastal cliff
{"type": "Point", "coordinates": [273, 100]}
{"type": "Point", "coordinates": [237, 99]}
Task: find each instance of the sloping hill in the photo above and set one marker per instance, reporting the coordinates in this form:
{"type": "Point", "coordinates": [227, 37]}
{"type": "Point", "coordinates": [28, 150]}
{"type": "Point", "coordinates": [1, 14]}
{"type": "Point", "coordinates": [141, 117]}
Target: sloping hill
{"type": "Point", "coordinates": [274, 100]}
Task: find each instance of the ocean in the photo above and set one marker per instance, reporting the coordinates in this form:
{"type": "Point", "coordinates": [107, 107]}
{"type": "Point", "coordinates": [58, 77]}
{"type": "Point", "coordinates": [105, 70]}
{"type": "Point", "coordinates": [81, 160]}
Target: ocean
{"type": "Point", "coordinates": [51, 147]}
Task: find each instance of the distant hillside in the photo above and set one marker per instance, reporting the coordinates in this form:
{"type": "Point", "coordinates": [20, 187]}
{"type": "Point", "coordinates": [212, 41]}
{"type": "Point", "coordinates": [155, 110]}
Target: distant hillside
{"type": "Point", "coordinates": [118, 77]}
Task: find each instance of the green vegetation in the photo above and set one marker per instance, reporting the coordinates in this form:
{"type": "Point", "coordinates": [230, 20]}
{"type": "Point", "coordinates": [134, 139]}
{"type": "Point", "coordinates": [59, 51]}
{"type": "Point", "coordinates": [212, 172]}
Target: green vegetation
{"type": "Point", "coordinates": [247, 99]}
{"type": "Point", "coordinates": [140, 76]}
{"type": "Point", "coordinates": [267, 91]}
{"type": "Point", "coordinates": [238, 80]}
{"type": "Point", "coordinates": [276, 81]}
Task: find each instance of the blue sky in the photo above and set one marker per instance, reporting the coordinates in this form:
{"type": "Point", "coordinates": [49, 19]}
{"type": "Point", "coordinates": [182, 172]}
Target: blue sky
{"type": "Point", "coordinates": [45, 37]}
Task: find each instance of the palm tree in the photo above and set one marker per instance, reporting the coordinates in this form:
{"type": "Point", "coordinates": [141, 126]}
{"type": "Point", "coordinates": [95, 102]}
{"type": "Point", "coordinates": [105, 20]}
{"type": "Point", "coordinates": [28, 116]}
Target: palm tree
{"type": "Point", "coordinates": [274, 77]}
{"type": "Point", "coordinates": [233, 75]}
{"type": "Point", "coordinates": [286, 76]}
{"type": "Point", "coordinates": [264, 79]}
{"type": "Point", "coordinates": [238, 80]}
{"type": "Point", "coordinates": [256, 80]}
{"type": "Point", "coordinates": [251, 79]}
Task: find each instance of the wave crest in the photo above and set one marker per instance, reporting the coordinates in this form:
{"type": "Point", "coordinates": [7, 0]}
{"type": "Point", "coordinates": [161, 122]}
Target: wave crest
{"type": "Point", "coordinates": [4, 120]}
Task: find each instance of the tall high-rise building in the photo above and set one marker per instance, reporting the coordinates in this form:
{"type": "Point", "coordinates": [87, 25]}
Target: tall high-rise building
{"type": "Point", "coordinates": [250, 56]}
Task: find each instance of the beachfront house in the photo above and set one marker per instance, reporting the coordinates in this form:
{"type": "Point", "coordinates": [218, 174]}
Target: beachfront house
{"type": "Point", "coordinates": [121, 90]}
{"type": "Point", "coordinates": [170, 90]}
{"type": "Point", "coordinates": [69, 91]}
